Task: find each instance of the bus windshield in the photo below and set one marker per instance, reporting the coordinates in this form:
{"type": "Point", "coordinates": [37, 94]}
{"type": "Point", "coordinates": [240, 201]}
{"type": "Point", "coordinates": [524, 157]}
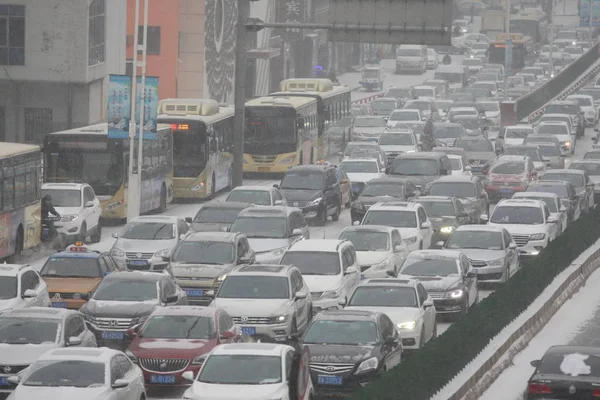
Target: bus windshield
{"type": "Point", "coordinates": [273, 126]}
{"type": "Point", "coordinates": [189, 150]}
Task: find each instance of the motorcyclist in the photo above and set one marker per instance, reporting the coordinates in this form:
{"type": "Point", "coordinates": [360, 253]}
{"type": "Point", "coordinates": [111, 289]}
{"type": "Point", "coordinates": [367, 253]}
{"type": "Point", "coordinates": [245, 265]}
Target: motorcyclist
{"type": "Point", "coordinates": [427, 141]}
{"type": "Point", "coordinates": [456, 30]}
{"type": "Point", "coordinates": [447, 60]}
{"type": "Point", "coordinates": [48, 208]}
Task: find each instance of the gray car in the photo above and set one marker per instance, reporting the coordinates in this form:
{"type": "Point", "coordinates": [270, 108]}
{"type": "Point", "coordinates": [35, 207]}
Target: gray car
{"type": "Point", "coordinates": [216, 216]}
{"type": "Point", "coordinates": [551, 153]}
{"type": "Point", "coordinates": [368, 128]}
{"type": "Point", "coordinates": [480, 151]}
{"type": "Point", "coordinates": [446, 133]}
{"type": "Point", "coordinates": [467, 189]}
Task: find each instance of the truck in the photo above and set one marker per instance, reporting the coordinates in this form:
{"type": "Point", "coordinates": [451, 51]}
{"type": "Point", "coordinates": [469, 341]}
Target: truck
{"type": "Point", "coordinates": [493, 23]}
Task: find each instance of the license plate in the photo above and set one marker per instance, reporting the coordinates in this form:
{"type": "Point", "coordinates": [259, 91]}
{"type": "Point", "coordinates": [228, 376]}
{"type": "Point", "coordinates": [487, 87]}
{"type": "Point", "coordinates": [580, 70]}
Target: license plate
{"type": "Point", "coordinates": [506, 190]}
{"type": "Point", "coordinates": [329, 380]}
{"type": "Point", "coordinates": [137, 262]}
{"type": "Point", "coordinates": [4, 381]}
{"type": "Point", "coordinates": [194, 292]}
{"type": "Point", "coordinates": [162, 379]}
{"type": "Point", "coordinates": [264, 169]}
{"type": "Point", "coordinates": [356, 190]}
{"type": "Point", "coordinates": [59, 304]}
{"type": "Point", "coordinates": [111, 335]}
{"type": "Point", "coordinates": [249, 330]}
{"type": "Point", "coordinates": [362, 277]}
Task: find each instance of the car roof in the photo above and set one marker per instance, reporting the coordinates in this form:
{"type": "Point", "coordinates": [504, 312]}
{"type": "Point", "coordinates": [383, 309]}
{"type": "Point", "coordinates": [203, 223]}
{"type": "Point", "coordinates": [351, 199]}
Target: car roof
{"type": "Point", "coordinates": [482, 228]}
{"type": "Point", "coordinates": [226, 205]}
{"type": "Point", "coordinates": [534, 194]}
{"type": "Point", "coordinates": [444, 253]}
{"type": "Point", "coordinates": [185, 310]}
{"type": "Point", "coordinates": [549, 182]}
{"type": "Point", "coordinates": [68, 186]}
{"type": "Point", "coordinates": [455, 178]}
{"type": "Point", "coordinates": [447, 124]}
{"type": "Point", "coordinates": [463, 108]}
{"type": "Point", "coordinates": [519, 202]}
{"type": "Point", "coordinates": [394, 205]}
{"type": "Point", "coordinates": [423, 154]}
{"type": "Point", "coordinates": [563, 123]}
{"type": "Point", "coordinates": [311, 167]}
{"type": "Point", "coordinates": [586, 161]}
{"type": "Point", "coordinates": [564, 171]}
{"type": "Point", "coordinates": [262, 270]}
{"type": "Point", "coordinates": [347, 315]}
{"type": "Point", "coordinates": [392, 180]}
{"type": "Point", "coordinates": [357, 159]}
{"type": "Point", "coordinates": [318, 245]}
{"type": "Point", "coordinates": [91, 354]}
{"type": "Point", "coordinates": [563, 102]}
{"type": "Point", "coordinates": [40, 312]}
{"type": "Point", "coordinates": [524, 126]}
{"type": "Point", "coordinates": [225, 237]}
{"type": "Point", "coordinates": [156, 218]}
{"type": "Point", "coordinates": [253, 187]}
{"type": "Point", "coordinates": [369, 228]}
{"type": "Point", "coordinates": [256, 349]}
{"type": "Point", "coordinates": [389, 282]}
{"type": "Point", "coordinates": [432, 198]}
{"type": "Point", "coordinates": [267, 211]}
{"type": "Point", "coordinates": [134, 275]}
{"type": "Point", "coordinates": [512, 158]}
{"type": "Point", "coordinates": [77, 254]}
{"type": "Point", "coordinates": [566, 349]}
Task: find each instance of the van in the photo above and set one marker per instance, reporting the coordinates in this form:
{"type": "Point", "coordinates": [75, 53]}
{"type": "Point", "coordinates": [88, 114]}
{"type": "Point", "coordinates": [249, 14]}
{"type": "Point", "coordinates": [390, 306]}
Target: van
{"type": "Point", "coordinates": [411, 58]}
{"type": "Point", "coordinates": [421, 167]}
{"type": "Point", "coordinates": [457, 76]}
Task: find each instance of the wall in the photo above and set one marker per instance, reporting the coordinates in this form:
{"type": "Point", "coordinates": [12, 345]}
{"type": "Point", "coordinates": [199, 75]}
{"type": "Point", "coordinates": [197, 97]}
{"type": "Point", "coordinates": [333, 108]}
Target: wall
{"type": "Point", "coordinates": [190, 70]}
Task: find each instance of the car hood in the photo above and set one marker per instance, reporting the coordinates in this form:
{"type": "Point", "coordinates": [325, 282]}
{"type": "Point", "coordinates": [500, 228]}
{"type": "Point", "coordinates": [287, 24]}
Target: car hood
{"type": "Point", "coordinates": [439, 222]}
{"type": "Point", "coordinates": [370, 200]}
{"type": "Point", "coordinates": [144, 246]}
{"type": "Point", "coordinates": [171, 348]}
{"type": "Point", "coordinates": [68, 210]}
{"type": "Point", "coordinates": [483, 254]}
{"type": "Point", "coordinates": [292, 195]}
{"type": "Point", "coordinates": [538, 165]}
{"type": "Point", "coordinates": [371, 257]}
{"type": "Point", "coordinates": [199, 270]}
{"type": "Point", "coordinates": [63, 392]}
{"type": "Point", "coordinates": [209, 227]}
{"type": "Point", "coordinates": [513, 141]}
{"type": "Point", "coordinates": [480, 155]}
{"type": "Point", "coordinates": [362, 177]}
{"type": "Point", "coordinates": [119, 309]}
{"type": "Point", "coordinates": [408, 232]}
{"type": "Point", "coordinates": [339, 354]}
{"type": "Point", "coordinates": [391, 148]}
{"type": "Point", "coordinates": [588, 109]}
{"type": "Point", "coordinates": [71, 285]}
{"type": "Point", "coordinates": [419, 180]}
{"type": "Point", "coordinates": [369, 130]}
{"type": "Point", "coordinates": [21, 354]}
{"type": "Point", "coordinates": [322, 283]}
{"type": "Point", "coordinates": [266, 245]}
{"type": "Point", "coordinates": [521, 229]}
{"type": "Point", "coordinates": [252, 307]}
{"type": "Point", "coordinates": [9, 304]}
{"type": "Point", "coordinates": [398, 315]}
{"type": "Point", "coordinates": [435, 283]}
{"type": "Point", "coordinates": [211, 391]}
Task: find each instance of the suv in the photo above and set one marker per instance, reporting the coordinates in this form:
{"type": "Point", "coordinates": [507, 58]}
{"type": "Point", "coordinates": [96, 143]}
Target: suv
{"type": "Point", "coordinates": [200, 262]}
{"type": "Point", "coordinates": [315, 190]}
{"type": "Point", "coordinates": [468, 189]}
{"type": "Point", "coordinates": [529, 222]}
{"type": "Point", "coordinates": [382, 189]}
{"type": "Point", "coordinates": [421, 167]}
{"type": "Point", "coordinates": [396, 141]}
{"type": "Point", "coordinates": [22, 287]}
{"type": "Point", "coordinates": [329, 267]}
{"type": "Point", "coordinates": [267, 301]}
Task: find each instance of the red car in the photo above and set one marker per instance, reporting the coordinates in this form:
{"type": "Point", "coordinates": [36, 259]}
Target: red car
{"type": "Point", "coordinates": [173, 340]}
{"type": "Point", "coordinates": [509, 175]}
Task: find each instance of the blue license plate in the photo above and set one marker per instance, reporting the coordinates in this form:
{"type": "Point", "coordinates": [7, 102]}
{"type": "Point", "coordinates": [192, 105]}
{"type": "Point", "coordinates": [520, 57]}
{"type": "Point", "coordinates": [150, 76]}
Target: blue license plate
{"type": "Point", "coordinates": [194, 292]}
{"type": "Point", "coordinates": [362, 277]}
{"type": "Point", "coordinates": [4, 381]}
{"type": "Point", "coordinates": [356, 190]}
{"type": "Point", "coordinates": [137, 262]}
{"type": "Point", "coordinates": [506, 190]}
{"type": "Point", "coordinates": [329, 380]}
{"type": "Point", "coordinates": [162, 379]}
{"type": "Point", "coordinates": [111, 335]}
{"type": "Point", "coordinates": [249, 330]}
{"type": "Point", "coordinates": [59, 304]}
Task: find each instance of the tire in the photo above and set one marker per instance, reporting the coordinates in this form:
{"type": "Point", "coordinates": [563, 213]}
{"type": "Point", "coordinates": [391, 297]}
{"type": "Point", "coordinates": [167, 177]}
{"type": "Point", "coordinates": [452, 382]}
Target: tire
{"type": "Point", "coordinates": [435, 332]}
{"type": "Point", "coordinates": [422, 338]}
{"type": "Point", "coordinates": [322, 217]}
{"type": "Point", "coordinates": [421, 246]}
{"type": "Point", "coordinates": [97, 236]}
{"type": "Point", "coordinates": [294, 328]}
{"type": "Point", "coordinates": [338, 211]}
{"type": "Point", "coordinates": [465, 309]}
{"type": "Point", "coordinates": [163, 200]}
{"type": "Point", "coordinates": [82, 233]}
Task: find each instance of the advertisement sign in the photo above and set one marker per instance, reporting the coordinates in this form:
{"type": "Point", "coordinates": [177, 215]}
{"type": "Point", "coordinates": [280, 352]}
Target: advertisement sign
{"type": "Point", "coordinates": [119, 106]}
{"type": "Point", "coordinates": [508, 57]}
{"type": "Point", "coordinates": [584, 13]}
{"type": "Point", "coordinates": [291, 11]}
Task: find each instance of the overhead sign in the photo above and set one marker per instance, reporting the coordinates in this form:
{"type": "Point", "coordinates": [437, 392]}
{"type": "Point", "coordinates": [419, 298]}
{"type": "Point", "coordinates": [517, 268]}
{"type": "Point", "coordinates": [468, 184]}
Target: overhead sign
{"type": "Point", "coordinates": [391, 21]}
{"type": "Point", "coordinates": [291, 12]}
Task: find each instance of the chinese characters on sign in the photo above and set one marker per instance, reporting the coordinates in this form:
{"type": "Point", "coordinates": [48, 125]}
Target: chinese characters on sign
{"type": "Point", "coordinates": [584, 13]}
{"type": "Point", "coordinates": [294, 14]}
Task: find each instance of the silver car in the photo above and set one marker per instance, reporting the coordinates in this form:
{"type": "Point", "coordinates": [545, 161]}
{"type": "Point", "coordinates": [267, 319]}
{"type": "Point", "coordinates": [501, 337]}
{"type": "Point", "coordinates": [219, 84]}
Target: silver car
{"type": "Point", "coordinates": [145, 241]}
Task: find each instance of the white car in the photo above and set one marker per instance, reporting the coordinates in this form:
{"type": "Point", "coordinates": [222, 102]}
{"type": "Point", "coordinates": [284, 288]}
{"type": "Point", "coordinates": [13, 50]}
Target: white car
{"type": "Point", "coordinates": [77, 373]}
{"type": "Point", "coordinates": [563, 133]}
{"type": "Point", "coordinates": [491, 110]}
{"type": "Point", "coordinates": [240, 371]}
{"type": "Point", "coordinates": [474, 65]}
{"type": "Point", "coordinates": [515, 135]}
{"type": "Point", "coordinates": [396, 141]}
{"type": "Point", "coordinates": [257, 195]}
{"type": "Point", "coordinates": [425, 92]}
{"type": "Point", "coordinates": [79, 209]}
{"type": "Point", "coordinates": [362, 170]}
{"type": "Point", "coordinates": [380, 250]}
{"type": "Point", "coordinates": [368, 128]}
{"type": "Point", "coordinates": [459, 164]}
{"type": "Point", "coordinates": [529, 222]}
{"type": "Point", "coordinates": [432, 58]}
{"type": "Point", "coordinates": [406, 302]}
{"type": "Point", "coordinates": [586, 102]}
{"type": "Point", "coordinates": [401, 117]}
{"type": "Point", "coordinates": [486, 85]}
{"type": "Point", "coordinates": [410, 219]}
{"type": "Point", "coordinates": [554, 205]}
{"type": "Point", "coordinates": [21, 287]}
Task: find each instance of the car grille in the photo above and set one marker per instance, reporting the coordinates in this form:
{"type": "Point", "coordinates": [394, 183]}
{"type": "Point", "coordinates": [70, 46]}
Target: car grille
{"type": "Point", "coordinates": [437, 295]}
{"type": "Point", "coordinates": [139, 256]}
{"type": "Point", "coordinates": [477, 263]}
{"type": "Point", "coordinates": [111, 324]}
{"type": "Point", "coordinates": [251, 320]}
{"type": "Point", "coordinates": [163, 365]}
{"type": "Point", "coordinates": [521, 240]}
{"type": "Point", "coordinates": [331, 369]}
{"type": "Point", "coordinates": [300, 204]}
{"type": "Point", "coordinates": [489, 277]}
{"type": "Point", "coordinates": [12, 369]}
{"type": "Point", "coordinates": [264, 159]}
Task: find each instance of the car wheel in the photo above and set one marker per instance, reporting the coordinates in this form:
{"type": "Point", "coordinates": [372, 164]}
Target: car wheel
{"type": "Point", "coordinates": [336, 215]}
{"type": "Point", "coordinates": [294, 328]}
{"type": "Point", "coordinates": [82, 233]}
{"type": "Point", "coordinates": [97, 236]}
{"type": "Point", "coordinates": [435, 332]}
{"type": "Point", "coordinates": [422, 338]}
{"type": "Point", "coordinates": [465, 307]}
{"type": "Point", "coordinates": [322, 217]}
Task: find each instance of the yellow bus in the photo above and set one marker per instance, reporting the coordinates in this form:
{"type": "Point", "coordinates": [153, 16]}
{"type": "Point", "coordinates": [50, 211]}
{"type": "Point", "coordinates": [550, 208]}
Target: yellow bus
{"type": "Point", "coordinates": [88, 155]}
{"type": "Point", "coordinates": [281, 132]}
{"type": "Point", "coordinates": [20, 193]}
{"type": "Point", "coordinates": [202, 145]}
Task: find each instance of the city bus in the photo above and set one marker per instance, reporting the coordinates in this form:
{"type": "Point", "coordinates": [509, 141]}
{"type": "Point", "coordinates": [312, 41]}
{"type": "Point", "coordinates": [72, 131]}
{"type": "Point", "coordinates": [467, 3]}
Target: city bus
{"type": "Point", "coordinates": [89, 155]}
{"type": "Point", "coordinates": [280, 133]}
{"type": "Point", "coordinates": [532, 24]}
{"type": "Point", "coordinates": [520, 51]}
{"type": "Point", "coordinates": [20, 193]}
{"type": "Point", "coordinates": [202, 145]}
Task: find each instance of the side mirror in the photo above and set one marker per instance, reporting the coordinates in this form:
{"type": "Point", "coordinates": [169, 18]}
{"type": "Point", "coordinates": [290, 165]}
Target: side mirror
{"type": "Point", "coordinates": [391, 340]}
{"type": "Point", "coordinates": [462, 215]}
{"type": "Point", "coordinates": [428, 303]}
{"type": "Point", "coordinates": [441, 243]}
{"type": "Point", "coordinates": [171, 299]}
{"type": "Point", "coordinates": [545, 159]}
{"type": "Point", "coordinates": [350, 270]}
{"type": "Point", "coordinates": [426, 225]}
{"type": "Point", "coordinates": [189, 220]}
{"type": "Point", "coordinates": [552, 220]}
{"type": "Point", "coordinates": [213, 145]}
{"type": "Point", "coordinates": [244, 260]}
{"type": "Point", "coordinates": [276, 186]}
{"type": "Point", "coordinates": [512, 245]}
{"type": "Point", "coordinates": [115, 235]}
{"type": "Point", "coordinates": [166, 258]}
{"type": "Point", "coordinates": [356, 223]}
{"type": "Point", "coordinates": [182, 236]}
{"type": "Point", "coordinates": [74, 341]}
{"type": "Point", "coordinates": [423, 118]}
{"type": "Point", "coordinates": [14, 379]}
{"type": "Point", "coordinates": [85, 296]}
{"type": "Point", "coordinates": [278, 202]}
{"type": "Point", "coordinates": [29, 293]}
{"type": "Point", "coordinates": [188, 376]}
{"type": "Point", "coordinates": [386, 119]}
{"type": "Point", "coordinates": [297, 232]}
{"type": "Point", "coordinates": [390, 273]}
{"type": "Point", "coordinates": [89, 204]}
{"type": "Point", "coordinates": [342, 302]}
{"type": "Point", "coordinates": [467, 167]}
{"type": "Point", "coordinates": [120, 384]}
{"type": "Point", "coordinates": [398, 248]}
{"type": "Point", "coordinates": [534, 363]}
{"type": "Point", "coordinates": [300, 296]}
{"type": "Point", "coordinates": [484, 217]}
{"type": "Point", "coordinates": [300, 123]}
{"type": "Point", "coordinates": [226, 335]}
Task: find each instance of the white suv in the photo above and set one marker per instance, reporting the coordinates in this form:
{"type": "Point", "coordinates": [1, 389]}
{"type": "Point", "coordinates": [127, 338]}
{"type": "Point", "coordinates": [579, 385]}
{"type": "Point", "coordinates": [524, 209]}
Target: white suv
{"type": "Point", "coordinates": [329, 268]}
{"type": "Point", "coordinates": [20, 287]}
{"type": "Point", "coordinates": [528, 221]}
{"type": "Point", "coordinates": [79, 209]}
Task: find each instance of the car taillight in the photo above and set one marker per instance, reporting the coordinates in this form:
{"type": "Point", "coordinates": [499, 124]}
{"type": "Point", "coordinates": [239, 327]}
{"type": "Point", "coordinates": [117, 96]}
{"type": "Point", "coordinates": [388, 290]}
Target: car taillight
{"type": "Point", "coordinates": [537, 388]}
{"type": "Point", "coordinates": [596, 393]}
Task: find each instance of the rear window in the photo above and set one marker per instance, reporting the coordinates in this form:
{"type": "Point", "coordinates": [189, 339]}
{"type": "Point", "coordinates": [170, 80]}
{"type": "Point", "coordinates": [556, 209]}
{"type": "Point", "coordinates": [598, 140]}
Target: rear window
{"type": "Point", "coordinates": [573, 364]}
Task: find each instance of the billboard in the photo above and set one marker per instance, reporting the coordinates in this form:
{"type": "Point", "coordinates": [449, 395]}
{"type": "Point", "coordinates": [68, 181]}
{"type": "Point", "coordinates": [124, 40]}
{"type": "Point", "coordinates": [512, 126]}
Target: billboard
{"type": "Point", "coordinates": [119, 106]}
{"type": "Point", "coordinates": [584, 13]}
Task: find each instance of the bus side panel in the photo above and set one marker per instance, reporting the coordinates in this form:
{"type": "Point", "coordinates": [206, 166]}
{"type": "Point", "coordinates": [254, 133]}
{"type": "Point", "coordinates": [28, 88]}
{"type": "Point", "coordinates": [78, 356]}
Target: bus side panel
{"type": "Point", "coordinates": [115, 207]}
{"type": "Point", "coordinates": [29, 218]}
{"type": "Point", "coordinates": [32, 225]}
{"type": "Point", "coordinates": [8, 233]}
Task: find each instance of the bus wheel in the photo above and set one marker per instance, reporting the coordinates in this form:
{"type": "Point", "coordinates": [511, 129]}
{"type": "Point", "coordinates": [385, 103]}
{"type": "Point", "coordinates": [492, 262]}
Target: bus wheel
{"type": "Point", "coordinates": [312, 156]}
{"type": "Point", "coordinates": [18, 246]}
{"type": "Point", "coordinates": [213, 190]}
{"type": "Point", "coordinates": [163, 200]}
{"type": "Point", "coordinates": [301, 159]}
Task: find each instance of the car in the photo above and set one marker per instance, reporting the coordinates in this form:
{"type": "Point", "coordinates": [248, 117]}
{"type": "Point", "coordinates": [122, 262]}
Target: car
{"type": "Point", "coordinates": [175, 340]}
{"type": "Point", "coordinates": [463, 24]}
{"type": "Point", "coordinates": [446, 214]}
{"type": "Point", "coordinates": [572, 108]}
{"type": "Point", "coordinates": [531, 150]}
{"type": "Point", "coordinates": [538, 71]}
{"type": "Point", "coordinates": [565, 191]}
{"type": "Point", "coordinates": [442, 87]}
{"type": "Point", "coordinates": [515, 135]}
{"type": "Point", "coordinates": [257, 195]}
{"type": "Point", "coordinates": [546, 50]}
{"type": "Point", "coordinates": [420, 167]}
{"type": "Point", "coordinates": [234, 370]}
{"type": "Point", "coordinates": [574, 51]}
{"type": "Point", "coordinates": [405, 302]}
{"type": "Point", "coordinates": [443, 105]}
{"type": "Point", "coordinates": [460, 165]}
{"type": "Point", "coordinates": [126, 299]}
{"type": "Point", "coordinates": [529, 222]}
{"type": "Point", "coordinates": [314, 189]}
{"type": "Point", "coordinates": [329, 267]}
{"type": "Point", "coordinates": [145, 240]}
{"type": "Point", "coordinates": [551, 152]}
{"type": "Point", "coordinates": [426, 106]}
{"type": "Point", "coordinates": [467, 189]}
{"type": "Point", "coordinates": [530, 79]}
{"type": "Point", "coordinates": [385, 105]}
{"type": "Point", "coordinates": [28, 333]}
{"type": "Point", "coordinates": [368, 127]}
{"type": "Point", "coordinates": [446, 133]}
{"type": "Point", "coordinates": [360, 171]}
{"type": "Point", "coordinates": [352, 148]}
{"type": "Point", "coordinates": [402, 117]}
{"type": "Point", "coordinates": [432, 59]}
{"type": "Point", "coordinates": [369, 153]}
{"type": "Point", "coordinates": [562, 131]}
{"type": "Point", "coordinates": [510, 174]}
{"type": "Point", "coordinates": [21, 287]}
{"type": "Point", "coordinates": [380, 250]}
{"type": "Point", "coordinates": [554, 205]}
{"type": "Point", "coordinates": [216, 216]}
{"type": "Point", "coordinates": [457, 110]}
{"type": "Point", "coordinates": [480, 151]}
{"type": "Point", "coordinates": [515, 80]}
{"type": "Point", "coordinates": [269, 302]}
{"type": "Point", "coordinates": [382, 189]}
{"type": "Point", "coordinates": [75, 273]}
{"type": "Point", "coordinates": [542, 138]}
{"type": "Point", "coordinates": [200, 262]}
{"type": "Point", "coordinates": [345, 187]}
{"type": "Point", "coordinates": [491, 111]}
{"type": "Point", "coordinates": [560, 118]}
{"type": "Point", "coordinates": [580, 180]}
{"type": "Point", "coordinates": [79, 209]}
{"type": "Point", "coordinates": [448, 277]}
{"type": "Point", "coordinates": [473, 64]}
{"type": "Point", "coordinates": [491, 86]}
{"type": "Point", "coordinates": [410, 219]}
{"type": "Point", "coordinates": [479, 50]}
{"type": "Point", "coordinates": [593, 154]}
{"type": "Point", "coordinates": [92, 373]}
{"type": "Point", "coordinates": [400, 93]}
{"type": "Point", "coordinates": [592, 168]}
{"type": "Point", "coordinates": [394, 141]}
{"type": "Point", "coordinates": [428, 92]}
{"type": "Point", "coordinates": [491, 250]}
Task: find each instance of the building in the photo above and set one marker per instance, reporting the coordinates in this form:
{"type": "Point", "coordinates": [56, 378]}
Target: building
{"type": "Point", "coordinates": [55, 59]}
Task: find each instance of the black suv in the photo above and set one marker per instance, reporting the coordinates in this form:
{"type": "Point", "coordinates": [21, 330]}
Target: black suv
{"type": "Point", "coordinates": [315, 190]}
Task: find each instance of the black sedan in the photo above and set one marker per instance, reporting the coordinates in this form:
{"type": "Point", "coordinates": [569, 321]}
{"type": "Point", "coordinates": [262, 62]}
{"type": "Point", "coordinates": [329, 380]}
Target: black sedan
{"type": "Point", "coordinates": [382, 189]}
{"type": "Point", "coordinates": [446, 214]}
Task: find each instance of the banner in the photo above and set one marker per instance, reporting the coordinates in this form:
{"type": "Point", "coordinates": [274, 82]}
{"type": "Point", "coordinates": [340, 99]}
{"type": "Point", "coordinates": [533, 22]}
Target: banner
{"type": "Point", "coordinates": [584, 13]}
{"type": "Point", "coordinates": [119, 106]}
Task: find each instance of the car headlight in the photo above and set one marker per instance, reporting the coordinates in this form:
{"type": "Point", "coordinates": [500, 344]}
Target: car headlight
{"type": "Point", "coordinates": [280, 319]}
{"type": "Point", "coordinates": [316, 202]}
{"type": "Point", "coordinates": [131, 356]}
{"type": "Point", "coordinates": [496, 263]}
{"type": "Point", "coordinates": [115, 252]}
{"type": "Point", "coordinates": [567, 143]}
{"type": "Point", "coordinates": [455, 294]}
{"type": "Point", "coordinates": [410, 240]}
{"type": "Point", "coordinates": [410, 151]}
{"type": "Point", "coordinates": [163, 253]}
{"type": "Point", "coordinates": [222, 278]}
{"type": "Point", "coordinates": [332, 294]}
{"type": "Point", "coordinates": [537, 236]}
{"type": "Point", "coordinates": [288, 160]}
{"type": "Point", "coordinates": [447, 229]}
{"type": "Point", "coordinates": [407, 325]}
{"type": "Point", "coordinates": [112, 206]}
{"type": "Point", "coordinates": [199, 360]}
{"type": "Point", "coordinates": [78, 296]}
{"type": "Point", "coordinates": [69, 218]}
{"type": "Point", "coordinates": [368, 365]}
{"type": "Point", "coordinates": [197, 187]}
{"type": "Point", "coordinates": [357, 205]}
{"type": "Point", "coordinates": [278, 252]}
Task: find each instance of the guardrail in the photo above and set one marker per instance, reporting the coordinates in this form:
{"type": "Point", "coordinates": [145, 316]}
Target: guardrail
{"type": "Point", "coordinates": [368, 99]}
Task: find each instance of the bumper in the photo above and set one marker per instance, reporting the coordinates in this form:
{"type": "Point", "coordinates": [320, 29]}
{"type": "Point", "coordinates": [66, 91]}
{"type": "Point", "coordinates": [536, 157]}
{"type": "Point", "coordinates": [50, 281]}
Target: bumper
{"type": "Point", "coordinates": [532, 248]}
{"type": "Point", "coordinates": [490, 274]}
{"type": "Point", "coordinates": [70, 229]}
{"type": "Point", "coordinates": [267, 169]}
{"type": "Point", "coordinates": [356, 137]}
{"type": "Point", "coordinates": [312, 212]}
{"type": "Point", "coordinates": [278, 333]}
{"type": "Point", "coordinates": [410, 339]}
{"type": "Point", "coordinates": [504, 192]}
{"type": "Point", "coordinates": [409, 68]}
{"type": "Point", "coordinates": [168, 379]}
{"type": "Point", "coordinates": [349, 384]}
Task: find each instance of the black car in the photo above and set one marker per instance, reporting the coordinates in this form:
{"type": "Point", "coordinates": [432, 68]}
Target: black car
{"type": "Point", "coordinates": [382, 189]}
{"type": "Point", "coordinates": [420, 167]}
{"type": "Point", "coordinates": [348, 349]}
{"type": "Point", "coordinates": [124, 300]}
{"type": "Point", "coordinates": [557, 374]}
{"type": "Point", "coordinates": [480, 151]}
{"type": "Point", "coordinates": [446, 214]}
{"type": "Point", "coordinates": [468, 189]}
{"type": "Point", "coordinates": [315, 190]}
{"type": "Point", "coordinates": [216, 216]}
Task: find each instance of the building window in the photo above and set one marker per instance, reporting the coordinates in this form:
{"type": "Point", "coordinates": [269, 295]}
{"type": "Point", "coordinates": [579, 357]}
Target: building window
{"type": "Point", "coordinates": [129, 68]}
{"type": "Point", "coordinates": [153, 45]}
{"type": "Point", "coordinates": [97, 32]}
{"type": "Point", "coordinates": [38, 122]}
{"type": "Point", "coordinates": [2, 124]}
{"type": "Point", "coordinates": [12, 35]}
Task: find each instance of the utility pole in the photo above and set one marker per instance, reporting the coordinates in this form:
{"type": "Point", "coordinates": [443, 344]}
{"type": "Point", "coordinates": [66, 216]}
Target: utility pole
{"type": "Point", "coordinates": [591, 29]}
{"type": "Point", "coordinates": [507, 51]}
{"type": "Point", "coordinates": [551, 41]}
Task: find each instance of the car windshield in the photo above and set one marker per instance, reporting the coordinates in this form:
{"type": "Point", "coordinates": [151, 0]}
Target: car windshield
{"type": "Point", "coordinates": [515, 133]}
{"type": "Point", "coordinates": [591, 168]}
{"type": "Point", "coordinates": [443, 104]}
{"type": "Point", "coordinates": [8, 287]}
{"type": "Point", "coordinates": [594, 92]}
{"type": "Point", "coordinates": [562, 109]}
{"type": "Point", "coordinates": [438, 208]}
{"type": "Point", "coordinates": [509, 168]}
{"type": "Point", "coordinates": [516, 80]}
{"type": "Point", "coordinates": [549, 150]}
{"type": "Point", "coordinates": [574, 50]}
{"type": "Point", "coordinates": [592, 155]}
{"type": "Point", "coordinates": [448, 132]}
{"type": "Point", "coordinates": [303, 180]}
{"type": "Point", "coordinates": [241, 369]}
{"type": "Point", "coordinates": [415, 167]}
{"type": "Point", "coordinates": [517, 215]}
{"type": "Point", "coordinates": [475, 145]}
{"type": "Point", "coordinates": [575, 179]}
{"type": "Point", "coordinates": [204, 252]}
{"type": "Point", "coordinates": [552, 207]}
{"type": "Point", "coordinates": [313, 263]}
{"type": "Point", "coordinates": [259, 197]}
{"type": "Point", "coordinates": [452, 189]}
{"type": "Point", "coordinates": [149, 231]}
{"type": "Point", "coordinates": [587, 366]}
{"type": "Point", "coordinates": [417, 105]}
{"type": "Point", "coordinates": [331, 332]}
{"type": "Point", "coordinates": [69, 267]}
{"type": "Point", "coordinates": [424, 92]}
{"type": "Point", "coordinates": [19, 330]}
{"type": "Point", "coordinates": [455, 112]}
{"type": "Point", "coordinates": [397, 139]}
{"type": "Point", "coordinates": [419, 265]}
{"type": "Point", "coordinates": [485, 85]}
{"type": "Point", "coordinates": [583, 102]}
{"type": "Point", "coordinates": [367, 240]}
{"type": "Point", "coordinates": [560, 190]}
{"type": "Point", "coordinates": [395, 218]}
{"type": "Point", "coordinates": [523, 151]}
{"type": "Point", "coordinates": [369, 122]}
{"type": "Point", "coordinates": [553, 129]}
{"type": "Point", "coordinates": [254, 287]}
{"type": "Point", "coordinates": [405, 115]}
{"type": "Point", "coordinates": [378, 189]}
{"type": "Point", "coordinates": [178, 327]}
{"type": "Point", "coordinates": [489, 106]}
{"type": "Point", "coordinates": [365, 167]}
{"type": "Point", "coordinates": [64, 197]}
{"type": "Point", "coordinates": [454, 77]}
{"type": "Point", "coordinates": [126, 290]}
{"type": "Point", "coordinates": [541, 138]}
{"type": "Point", "coordinates": [216, 215]}
{"type": "Point", "coordinates": [66, 373]}
{"type": "Point", "coordinates": [261, 227]}
{"type": "Point", "coordinates": [472, 62]}
{"type": "Point", "coordinates": [383, 296]}
{"type": "Point", "coordinates": [475, 240]}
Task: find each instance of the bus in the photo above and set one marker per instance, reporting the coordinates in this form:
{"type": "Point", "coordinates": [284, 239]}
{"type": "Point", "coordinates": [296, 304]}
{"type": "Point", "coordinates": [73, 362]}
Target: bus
{"type": "Point", "coordinates": [530, 24]}
{"type": "Point", "coordinates": [520, 51]}
{"type": "Point", "coordinates": [202, 145]}
{"type": "Point", "coordinates": [89, 155]}
{"type": "Point", "coordinates": [20, 193]}
{"type": "Point", "coordinates": [280, 133]}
